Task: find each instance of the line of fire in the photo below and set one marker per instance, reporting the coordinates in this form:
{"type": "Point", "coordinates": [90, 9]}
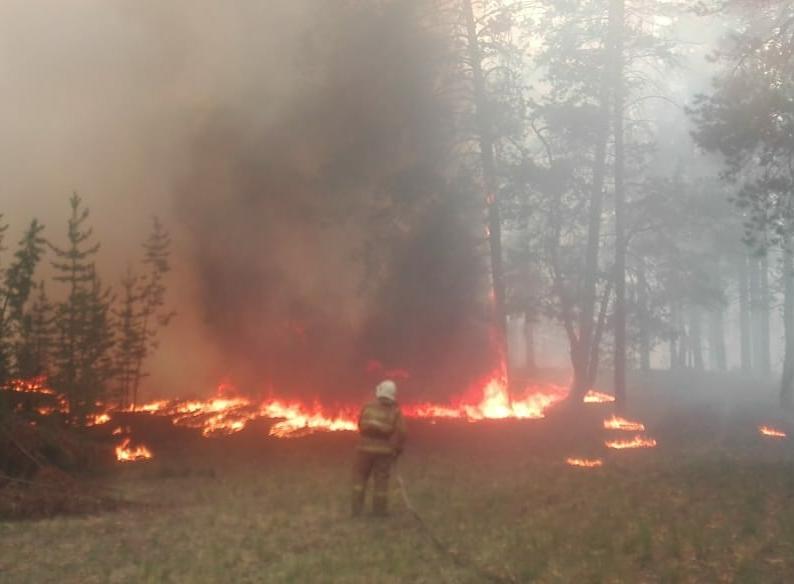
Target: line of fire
{"type": "Point", "coordinates": [355, 291]}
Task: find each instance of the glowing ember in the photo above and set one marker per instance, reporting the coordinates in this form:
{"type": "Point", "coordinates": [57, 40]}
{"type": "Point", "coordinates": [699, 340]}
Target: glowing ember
{"type": "Point", "coordinates": [772, 432]}
{"type": "Point", "coordinates": [33, 385]}
{"type": "Point", "coordinates": [597, 397]}
{"type": "Point", "coordinates": [585, 462]}
{"type": "Point", "coordinates": [636, 442]}
{"type": "Point", "coordinates": [616, 423]}
{"type": "Point", "coordinates": [98, 419]}
{"type": "Point", "coordinates": [127, 453]}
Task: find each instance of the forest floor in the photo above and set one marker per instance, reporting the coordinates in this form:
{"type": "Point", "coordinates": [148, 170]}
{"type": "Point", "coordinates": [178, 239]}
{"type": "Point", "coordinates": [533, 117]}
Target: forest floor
{"type": "Point", "coordinates": [713, 502]}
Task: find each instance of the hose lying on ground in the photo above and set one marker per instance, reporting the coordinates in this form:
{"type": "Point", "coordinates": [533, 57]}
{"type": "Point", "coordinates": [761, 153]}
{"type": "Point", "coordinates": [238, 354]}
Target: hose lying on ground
{"type": "Point", "coordinates": [460, 560]}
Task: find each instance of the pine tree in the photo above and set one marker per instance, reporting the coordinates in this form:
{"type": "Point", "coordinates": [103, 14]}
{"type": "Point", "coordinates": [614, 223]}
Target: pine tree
{"type": "Point", "coordinates": [130, 348]}
{"type": "Point", "coordinates": [36, 337]}
{"type": "Point", "coordinates": [96, 367]}
{"type": "Point", "coordinates": [17, 285]}
{"type": "Point", "coordinates": [75, 316]}
{"type": "Point", "coordinates": [152, 301]}
{"type": "Point", "coordinates": [4, 333]}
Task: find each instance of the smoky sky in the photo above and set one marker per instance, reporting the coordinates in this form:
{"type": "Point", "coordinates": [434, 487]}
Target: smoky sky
{"type": "Point", "coordinates": [299, 153]}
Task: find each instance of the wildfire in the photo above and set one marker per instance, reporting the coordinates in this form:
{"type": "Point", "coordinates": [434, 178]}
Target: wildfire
{"type": "Point", "coordinates": [636, 442]}
{"type": "Point", "coordinates": [597, 397]}
{"type": "Point", "coordinates": [493, 402]}
{"type": "Point", "coordinates": [228, 413]}
{"type": "Point", "coordinates": [585, 462]}
{"type": "Point", "coordinates": [297, 421]}
{"type": "Point", "coordinates": [127, 453]}
{"type": "Point", "coordinates": [772, 432]}
{"type": "Point", "coordinates": [98, 419]}
{"type": "Point", "coordinates": [617, 423]}
{"type": "Point", "coordinates": [32, 385]}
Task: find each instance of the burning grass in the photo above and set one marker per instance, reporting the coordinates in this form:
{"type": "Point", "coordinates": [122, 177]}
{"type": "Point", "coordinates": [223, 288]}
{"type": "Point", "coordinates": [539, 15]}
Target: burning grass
{"type": "Point", "coordinates": [636, 442]}
{"type": "Point", "coordinates": [771, 432]}
{"type": "Point", "coordinates": [242, 509]}
{"type": "Point", "coordinates": [585, 462]}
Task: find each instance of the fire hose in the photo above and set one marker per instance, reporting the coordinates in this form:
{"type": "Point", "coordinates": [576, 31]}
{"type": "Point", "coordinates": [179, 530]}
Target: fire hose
{"type": "Point", "coordinates": [460, 560]}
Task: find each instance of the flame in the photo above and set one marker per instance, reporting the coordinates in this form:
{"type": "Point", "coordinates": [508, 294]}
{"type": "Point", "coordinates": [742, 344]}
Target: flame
{"type": "Point", "coordinates": [617, 423]}
{"type": "Point", "coordinates": [127, 453]}
{"type": "Point", "coordinates": [32, 385]}
{"type": "Point", "coordinates": [636, 442]}
{"type": "Point", "coordinates": [492, 401]}
{"type": "Point", "coordinates": [772, 432]}
{"type": "Point", "coordinates": [297, 421]}
{"type": "Point", "coordinates": [597, 397]}
{"type": "Point", "coordinates": [585, 462]}
{"type": "Point", "coordinates": [98, 419]}
{"type": "Point", "coordinates": [228, 414]}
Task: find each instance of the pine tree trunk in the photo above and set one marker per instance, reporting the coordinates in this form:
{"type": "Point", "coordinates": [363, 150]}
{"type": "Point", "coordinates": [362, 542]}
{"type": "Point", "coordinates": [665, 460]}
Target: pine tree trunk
{"type": "Point", "coordinates": [787, 379]}
{"type": "Point", "coordinates": [531, 365]}
{"type": "Point", "coordinates": [617, 23]}
{"type": "Point", "coordinates": [642, 303]}
{"type": "Point", "coordinates": [717, 344]}
{"type": "Point", "coordinates": [755, 310]}
{"type": "Point", "coordinates": [764, 361]}
{"type": "Point", "coordinates": [745, 334]}
{"type": "Point", "coordinates": [486, 143]}
{"type": "Point", "coordinates": [674, 339]}
{"type": "Point", "coordinates": [696, 334]}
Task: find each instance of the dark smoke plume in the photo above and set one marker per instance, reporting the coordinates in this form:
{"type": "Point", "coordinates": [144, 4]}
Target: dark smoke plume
{"type": "Point", "coordinates": [331, 241]}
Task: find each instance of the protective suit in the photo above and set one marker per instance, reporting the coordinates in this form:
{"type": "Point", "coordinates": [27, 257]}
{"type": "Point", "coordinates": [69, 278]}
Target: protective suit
{"type": "Point", "coordinates": [381, 428]}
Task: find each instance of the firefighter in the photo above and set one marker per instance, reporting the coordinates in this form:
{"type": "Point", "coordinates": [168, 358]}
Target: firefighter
{"type": "Point", "coordinates": [382, 434]}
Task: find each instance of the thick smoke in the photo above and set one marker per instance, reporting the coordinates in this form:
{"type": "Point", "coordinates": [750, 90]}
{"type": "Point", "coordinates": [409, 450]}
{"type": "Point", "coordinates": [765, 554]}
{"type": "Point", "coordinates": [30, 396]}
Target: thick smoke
{"type": "Point", "coordinates": [298, 151]}
{"type": "Point", "coordinates": [329, 241]}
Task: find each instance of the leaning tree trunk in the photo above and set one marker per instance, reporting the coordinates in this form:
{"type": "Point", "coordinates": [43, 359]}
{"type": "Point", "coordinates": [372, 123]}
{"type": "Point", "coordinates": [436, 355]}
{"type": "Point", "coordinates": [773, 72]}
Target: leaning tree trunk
{"type": "Point", "coordinates": [617, 18]}
{"type": "Point", "coordinates": [486, 143]}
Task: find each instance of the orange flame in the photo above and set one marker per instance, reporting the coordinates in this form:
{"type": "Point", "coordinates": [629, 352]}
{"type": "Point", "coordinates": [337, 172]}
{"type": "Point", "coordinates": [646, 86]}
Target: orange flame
{"type": "Point", "coordinates": [32, 385]}
{"type": "Point", "coordinates": [493, 402]}
{"type": "Point", "coordinates": [617, 423]}
{"type": "Point", "coordinates": [98, 419]}
{"type": "Point", "coordinates": [772, 432]}
{"type": "Point", "coordinates": [597, 397]}
{"type": "Point", "coordinates": [636, 442]}
{"type": "Point", "coordinates": [227, 415]}
{"type": "Point", "coordinates": [127, 453]}
{"type": "Point", "coordinates": [585, 462]}
{"type": "Point", "coordinates": [296, 421]}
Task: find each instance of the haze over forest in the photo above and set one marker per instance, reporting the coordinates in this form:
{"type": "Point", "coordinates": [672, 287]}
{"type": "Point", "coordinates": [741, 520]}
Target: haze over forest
{"type": "Point", "coordinates": [319, 167]}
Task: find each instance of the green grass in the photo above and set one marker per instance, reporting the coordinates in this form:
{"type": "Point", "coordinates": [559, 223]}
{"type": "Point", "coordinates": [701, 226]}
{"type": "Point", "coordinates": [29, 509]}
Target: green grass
{"type": "Point", "coordinates": [503, 499]}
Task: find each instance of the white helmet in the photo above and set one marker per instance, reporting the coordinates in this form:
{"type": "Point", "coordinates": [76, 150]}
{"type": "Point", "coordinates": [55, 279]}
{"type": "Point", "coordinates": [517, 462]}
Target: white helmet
{"type": "Point", "coordinates": [386, 389]}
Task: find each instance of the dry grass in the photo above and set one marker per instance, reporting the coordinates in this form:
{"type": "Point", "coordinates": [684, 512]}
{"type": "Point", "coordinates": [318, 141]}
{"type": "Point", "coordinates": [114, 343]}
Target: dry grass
{"type": "Point", "coordinates": [708, 505]}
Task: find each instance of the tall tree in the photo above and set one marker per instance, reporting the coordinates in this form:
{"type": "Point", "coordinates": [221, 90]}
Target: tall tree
{"type": "Point", "coordinates": [152, 297]}
{"type": "Point", "coordinates": [617, 25]}
{"type": "Point", "coordinates": [749, 119]}
{"type": "Point", "coordinates": [79, 316]}
{"type": "Point", "coordinates": [16, 288]}
{"type": "Point", "coordinates": [36, 337]}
